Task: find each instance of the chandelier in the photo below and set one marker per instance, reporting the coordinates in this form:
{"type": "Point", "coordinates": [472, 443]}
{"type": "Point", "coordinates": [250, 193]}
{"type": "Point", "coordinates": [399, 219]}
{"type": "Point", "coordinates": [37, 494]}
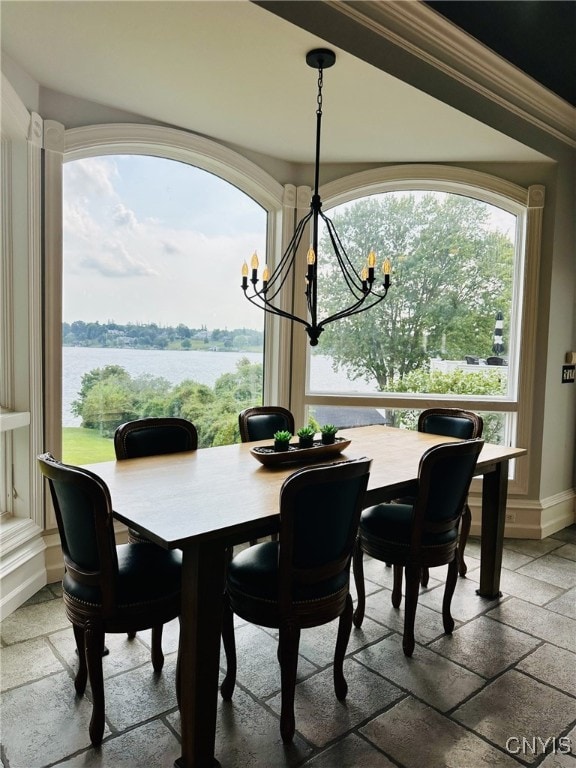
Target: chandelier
{"type": "Point", "coordinates": [364, 290]}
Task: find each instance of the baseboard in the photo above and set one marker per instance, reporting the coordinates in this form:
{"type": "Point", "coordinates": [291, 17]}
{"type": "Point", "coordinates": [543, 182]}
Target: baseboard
{"type": "Point", "coordinates": [529, 519]}
{"type": "Point", "coordinates": [22, 574]}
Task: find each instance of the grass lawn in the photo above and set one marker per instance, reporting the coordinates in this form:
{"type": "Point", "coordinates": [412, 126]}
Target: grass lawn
{"type": "Point", "coordinates": [85, 446]}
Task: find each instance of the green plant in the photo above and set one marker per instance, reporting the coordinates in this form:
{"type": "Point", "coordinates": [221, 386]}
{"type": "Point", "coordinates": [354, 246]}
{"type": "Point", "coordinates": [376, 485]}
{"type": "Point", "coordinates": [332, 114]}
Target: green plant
{"type": "Point", "coordinates": [308, 431]}
{"type": "Point", "coordinates": [282, 436]}
{"type": "Point", "coordinates": [328, 429]}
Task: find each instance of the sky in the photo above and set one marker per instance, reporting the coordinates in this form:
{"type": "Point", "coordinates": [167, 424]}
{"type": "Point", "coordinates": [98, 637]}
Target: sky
{"type": "Point", "coordinates": [150, 240]}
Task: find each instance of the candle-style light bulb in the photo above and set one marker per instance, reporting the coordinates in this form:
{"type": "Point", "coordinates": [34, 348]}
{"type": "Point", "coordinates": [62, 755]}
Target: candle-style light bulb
{"type": "Point", "coordinates": [254, 264]}
{"type": "Point", "coordinates": [310, 260]}
{"type": "Point", "coordinates": [364, 278]}
{"type": "Point", "coordinates": [265, 277]}
{"type": "Point", "coordinates": [386, 268]}
{"type": "Point", "coordinates": [244, 276]}
{"type": "Point", "coordinates": [371, 265]}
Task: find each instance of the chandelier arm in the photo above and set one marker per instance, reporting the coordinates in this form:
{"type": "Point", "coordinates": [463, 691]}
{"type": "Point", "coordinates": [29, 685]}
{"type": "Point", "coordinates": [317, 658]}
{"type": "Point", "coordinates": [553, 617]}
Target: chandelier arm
{"type": "Point", "coordinates": [355, 309]}
{"type": "Point", "coordinates": [272, 310]}
{"type": "Point", "coordinates": [346, 266]}
{"type": "Point", "coordinates": [289, 254]}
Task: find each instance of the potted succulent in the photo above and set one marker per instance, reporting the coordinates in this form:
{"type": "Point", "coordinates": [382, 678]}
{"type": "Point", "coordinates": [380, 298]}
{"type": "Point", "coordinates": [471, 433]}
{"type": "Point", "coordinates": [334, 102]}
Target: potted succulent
{"type": "Point", "coordinates": [282, 440]}
{"type": "Point", "coordinates": [328, 432]}
{"type": "Point", "coordinates": [306, 437]}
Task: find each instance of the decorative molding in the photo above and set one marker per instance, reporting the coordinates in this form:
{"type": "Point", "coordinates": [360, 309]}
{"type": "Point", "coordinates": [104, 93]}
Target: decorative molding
{"type": "Point", "coordinates": [22, 574]}
{"type": "Point", "coordinates": [491, 189]}
{"type": "Point", "coordinates": [54, 134]}
{"type": "Point", "coordinates": [35, 326]}
{"type": "Point", "coordinates": [423, 33]}
{"type": "Point", "coordinates": [36, 131]}
{"type": "Point", "coordinates": [534, 518]}
{"type": "Point", "coordinates": [536, 195]}
{"type": "Point", "coordinates": [133, 138]}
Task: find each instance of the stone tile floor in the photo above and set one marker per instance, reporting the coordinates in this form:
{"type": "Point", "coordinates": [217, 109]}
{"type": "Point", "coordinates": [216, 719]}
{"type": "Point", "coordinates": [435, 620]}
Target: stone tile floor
{"type": "Point", "coordinates": [501, 691]}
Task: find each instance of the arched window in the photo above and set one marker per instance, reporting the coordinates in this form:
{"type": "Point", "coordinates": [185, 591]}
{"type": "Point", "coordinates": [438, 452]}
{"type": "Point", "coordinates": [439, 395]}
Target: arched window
{"type": "Point", "coordinates": [157, 224]}
{"type": "Point", "coordinates": [455, 328]}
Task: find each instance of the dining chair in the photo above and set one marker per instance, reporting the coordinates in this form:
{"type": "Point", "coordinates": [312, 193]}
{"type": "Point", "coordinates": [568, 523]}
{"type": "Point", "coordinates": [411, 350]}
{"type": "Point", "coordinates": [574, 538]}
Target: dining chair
{"type": "Point", "coordinates": [466, 425]}
{"type": "Point", "coordinates": [451, 422]}
{"type": "Point", "coordinates": [151, 437]}
{"type": "Point", "coordinates": [302, 579]}
{"type": "Point", "coordinates": [422, 534]}
{"type": "Point", "coordinates": [262, 421]}
{"type": "Point", "coordinates": [106, 587]}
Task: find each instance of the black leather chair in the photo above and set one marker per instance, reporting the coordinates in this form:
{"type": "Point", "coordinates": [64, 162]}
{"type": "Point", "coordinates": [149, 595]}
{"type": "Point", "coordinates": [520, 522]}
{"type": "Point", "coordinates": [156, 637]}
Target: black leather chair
{"type": "Point", "coordinates": [301, 580]}
{"type": "Point", "coordinates": [152, 437]}
{"type": "Point", "coordinates": [261, 422]}
{"type": "Point", "coordinates": [421, 535]}
{"type": "Point", "coordinates": [106, 587]}
{"type": "Point", "coordinates": [467, 425]}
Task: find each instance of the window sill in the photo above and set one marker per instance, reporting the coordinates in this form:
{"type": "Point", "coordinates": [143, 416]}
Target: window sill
{"type": "Point", "coordinates": [10, 420]}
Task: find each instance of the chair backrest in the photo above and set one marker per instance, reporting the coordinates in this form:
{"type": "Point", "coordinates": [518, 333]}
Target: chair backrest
{"type": "Point", "coordinates": [444, 476]}
{"type": "Point", "coordinates": [495, 361]}
{"type": "Point", "coordinates": [451, 422]}
{"type": "Point", "coordinates": [84, 515]}
{"type": "Point", "coordinates": [261, 422]}
{"type": "Point", "coordinates": [154, 436]}
{"type": "Point", "coordinates": [320, 510]}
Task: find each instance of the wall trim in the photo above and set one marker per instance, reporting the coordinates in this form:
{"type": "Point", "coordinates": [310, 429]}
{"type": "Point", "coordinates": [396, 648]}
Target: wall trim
{"type": "Point", "coordinates": [533, 519]}
{"type": "Point", "coordinates": [22, 574]}
{"type": "Point", "coordinates": [425, 34]}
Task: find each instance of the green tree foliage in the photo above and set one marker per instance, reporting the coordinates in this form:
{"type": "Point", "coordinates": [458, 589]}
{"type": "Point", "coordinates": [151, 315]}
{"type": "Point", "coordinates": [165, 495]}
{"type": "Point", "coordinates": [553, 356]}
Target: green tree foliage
{"type": "Point", "coordinates": [109, 396]}
{"type": "Point", "coordinates": [152, 336]}
{"type": "Point", "coordinates": [489, 381]}
{"type": "Point", "coordinates": [452, 271]}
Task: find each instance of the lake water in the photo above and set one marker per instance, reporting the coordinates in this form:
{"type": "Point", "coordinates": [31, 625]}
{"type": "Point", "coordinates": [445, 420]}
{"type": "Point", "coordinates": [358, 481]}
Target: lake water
{"type": "Point", "coordinates": [178, 365]}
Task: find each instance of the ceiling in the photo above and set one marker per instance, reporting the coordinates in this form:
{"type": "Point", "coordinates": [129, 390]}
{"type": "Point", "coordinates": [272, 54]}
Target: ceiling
{"type": "Point", "coordinates": [537, 36]}
{"type": "Point", "coordinates": [235, 72]}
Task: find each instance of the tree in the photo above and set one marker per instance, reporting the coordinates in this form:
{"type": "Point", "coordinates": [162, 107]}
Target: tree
{"type": "Point", "coordinates": [451, 273]}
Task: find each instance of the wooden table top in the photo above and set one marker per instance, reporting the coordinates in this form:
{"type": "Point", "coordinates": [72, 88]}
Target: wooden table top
{"type": "Point", "coordinates": [224, 492]}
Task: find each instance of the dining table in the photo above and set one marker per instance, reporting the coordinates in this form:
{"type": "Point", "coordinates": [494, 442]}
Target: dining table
{"type": "Point", "coordinates": [205, 501]}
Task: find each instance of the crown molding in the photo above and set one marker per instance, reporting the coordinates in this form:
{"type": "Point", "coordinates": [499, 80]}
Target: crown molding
{"type": "Point", "coordinates": [421, 32]}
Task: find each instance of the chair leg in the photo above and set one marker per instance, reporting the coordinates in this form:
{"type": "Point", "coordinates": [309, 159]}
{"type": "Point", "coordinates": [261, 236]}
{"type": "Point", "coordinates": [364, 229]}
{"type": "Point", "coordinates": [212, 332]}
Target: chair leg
{"type": "Point", "coordinates": [449, 588]}
{"type": "Point", "coordinates": [412, 589]}
{"type": "Point", "coordinates": [424, 576]}
{"type": "Point", "coordinates": [94, 640]}
{"type": "Point", "coordinates": [82, 674]}
{"type": "Point", "coordinates": [289, 642]}
{"type": "Point", "coordinates": [229, 642]}
{"type": "Point", "coordinates": [131, 635]}
{"type": "Point", "coordinates": [358, 569]}
{"type": "Point", "coordinates": [344, 629]}
{"type": "Point", "coordinates": [397, 587]}
{"type": "Point", "coordinates": [465, 523]}
{"type": "Point", "coordinates": [157, 655]}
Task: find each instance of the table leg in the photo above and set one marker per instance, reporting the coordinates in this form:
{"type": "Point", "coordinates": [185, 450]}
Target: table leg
{"type": "Point", "coordinates": [203, 568]}
{"type": "Point", "coordinates": [494, 492]}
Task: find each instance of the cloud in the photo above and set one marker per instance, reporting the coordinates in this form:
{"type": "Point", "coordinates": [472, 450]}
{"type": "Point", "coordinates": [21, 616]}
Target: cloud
{"type": "Point", "coordinates": [124, 217]}
{"type": "Point", "coordinates": [114, 260]}
{"type": "Point", "coordinates": [90, 176]}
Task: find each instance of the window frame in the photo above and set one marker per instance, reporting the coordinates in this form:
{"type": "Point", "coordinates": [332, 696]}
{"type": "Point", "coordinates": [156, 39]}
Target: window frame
{"type": "Point", "coordinates": [527, 204]}
{"type": "Point", "coordinates": [171, 144]}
